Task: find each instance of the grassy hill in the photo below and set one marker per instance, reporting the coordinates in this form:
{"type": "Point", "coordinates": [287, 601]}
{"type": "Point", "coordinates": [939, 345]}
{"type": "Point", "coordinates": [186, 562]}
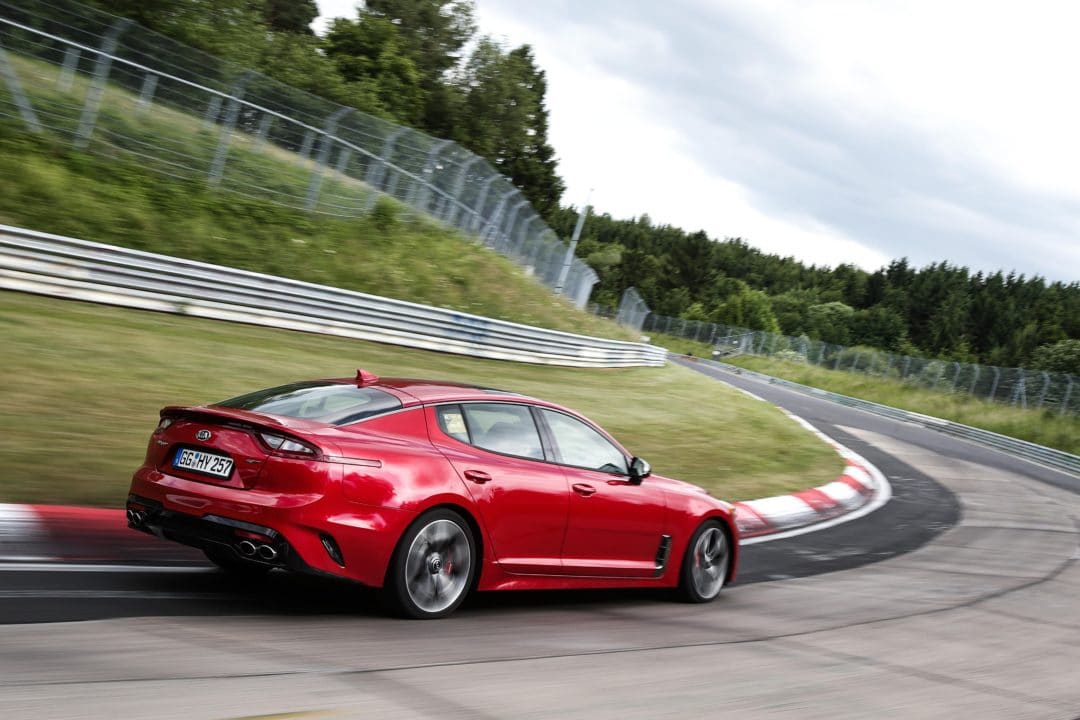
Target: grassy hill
{"type": "Point", "coordinates": [142, 183]}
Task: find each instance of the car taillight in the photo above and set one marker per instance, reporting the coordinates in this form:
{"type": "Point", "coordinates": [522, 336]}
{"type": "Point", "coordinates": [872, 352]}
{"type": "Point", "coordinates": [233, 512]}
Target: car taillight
{"type": "Point", "coordinates": [287, 445]}
{"type": "Point", "coordinates": [161, 426]}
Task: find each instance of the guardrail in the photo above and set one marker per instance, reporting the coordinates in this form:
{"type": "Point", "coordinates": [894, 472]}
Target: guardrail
{"type": "Point", "coordinates": [66, 267]}
{"type": "Point", "coordinates": [1056, 459]}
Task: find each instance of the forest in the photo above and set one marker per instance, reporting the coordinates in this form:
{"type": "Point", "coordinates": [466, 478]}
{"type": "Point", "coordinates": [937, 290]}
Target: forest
{"type": "Point", "coordinates": [426, 64]}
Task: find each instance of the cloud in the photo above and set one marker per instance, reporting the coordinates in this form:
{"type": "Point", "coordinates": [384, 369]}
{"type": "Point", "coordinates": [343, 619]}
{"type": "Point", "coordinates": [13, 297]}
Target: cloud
{"type": "Point", "coordinates": [837, 132]}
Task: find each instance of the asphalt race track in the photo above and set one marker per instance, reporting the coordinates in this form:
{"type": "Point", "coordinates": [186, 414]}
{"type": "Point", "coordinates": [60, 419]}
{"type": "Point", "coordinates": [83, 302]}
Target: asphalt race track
{"type": "Point", "coordinates": [956, 598]}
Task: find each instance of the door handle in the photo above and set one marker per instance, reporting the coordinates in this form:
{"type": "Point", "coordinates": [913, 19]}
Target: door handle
{"type": "Point", "coordinates": [583, 489]}
{"type": "Point", "coordinates": [477, 476]}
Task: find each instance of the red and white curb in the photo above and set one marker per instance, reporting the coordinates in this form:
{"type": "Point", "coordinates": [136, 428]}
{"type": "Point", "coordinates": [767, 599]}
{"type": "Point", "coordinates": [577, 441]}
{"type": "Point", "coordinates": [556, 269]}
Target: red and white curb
{"type": "Point", "coordinates": [58, 534]}
{"type": "Point", "coordinates": [859, 491]}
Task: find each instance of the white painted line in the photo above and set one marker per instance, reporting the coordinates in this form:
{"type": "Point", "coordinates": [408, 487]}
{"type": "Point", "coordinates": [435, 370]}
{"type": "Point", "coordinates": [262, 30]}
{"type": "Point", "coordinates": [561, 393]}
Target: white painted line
{"type": "Point", "coordinates": [102, 568]}
{"type": "Point", "coordinates": [46, 594]}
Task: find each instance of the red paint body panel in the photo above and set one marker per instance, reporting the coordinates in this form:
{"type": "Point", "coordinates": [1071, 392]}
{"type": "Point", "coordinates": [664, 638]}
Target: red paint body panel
{"type": "Point", "coordinates": [538, 524]}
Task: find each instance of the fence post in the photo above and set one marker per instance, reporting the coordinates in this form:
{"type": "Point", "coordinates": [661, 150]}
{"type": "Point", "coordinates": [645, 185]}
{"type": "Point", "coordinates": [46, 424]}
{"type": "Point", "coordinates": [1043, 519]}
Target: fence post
{"type": "Point", "coordinates": [305, 146]}
{"type": "Point", "coordinates": [97, 85]}
{"type": "Point", "coordinates": [377, 170]}
{"type": "Point", "coordinates": [1068, 392]}
{"type": "Point", "coordinates": [15, 87]}
{"type": "Point", "coordinates": [264, 129]}
{"type": "Point", "coordinates": [907, 366]}
{"type": "Point", "coordinates": [993, 385]}
{"type": "Point", "coordinates": [975, 379]}
{"type": "Point", "coordinates": [456, 189]}
{"type": "Point", "coordinates": [66, 78]}
{"type": "Point", "coordinates": [497, 215]}
{"type": "Point", "coordinates": [325, 144]}
{"type": "Point", "coordinates": [523, 234]}
{"type": "Point", "coordinates": [146, 94]}
{"type": "Point", "coordinates": [421, 194]}
{"type": "Point", "coordinates": [502, 239]}
{"type": "Point", "coordinates": [213, 109]}
{"type": "Point", "coordinates": [1020, 391]}
{"type": "Point", "coordinates": [344, 155]}
{"type": "Point", "coordinates": [956, 377]}
{"type": "Point", "coordinates": [855, 362]}
{"type": "Point", "coordinates": [478, 208]}
{"type": "Point", "coordinates": [217, 166]}
{"type": "Point", "coordinates": [1045, 387]}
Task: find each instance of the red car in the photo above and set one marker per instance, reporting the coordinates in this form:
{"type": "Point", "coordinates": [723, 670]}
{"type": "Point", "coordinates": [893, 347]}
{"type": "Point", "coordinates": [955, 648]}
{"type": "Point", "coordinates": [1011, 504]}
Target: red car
{"type": "Point", "coordinates": [427, 490]}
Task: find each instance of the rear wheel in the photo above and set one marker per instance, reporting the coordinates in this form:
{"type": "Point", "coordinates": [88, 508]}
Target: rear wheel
{"type": "Point", "coordinates": [230, 563]}
{"type": "Point", "coordinates": [433, 567]}
{"type": "Point", "coordinates": [705, 563]}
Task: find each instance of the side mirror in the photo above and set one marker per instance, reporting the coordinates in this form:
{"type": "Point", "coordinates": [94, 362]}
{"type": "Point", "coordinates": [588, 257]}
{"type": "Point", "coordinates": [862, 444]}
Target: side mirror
{"type": "Point", "coordinates": [639, 470]}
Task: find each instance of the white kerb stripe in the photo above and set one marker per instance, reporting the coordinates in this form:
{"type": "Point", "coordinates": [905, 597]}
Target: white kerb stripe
{"type": "Point", "coordinates": [861, 476]}
{"type": "Point", "coordinates": [783, 510]}
{"type": "Point", "coordinates": [844, 494]}
{"type": "Point", "coordinates": [21, 533]}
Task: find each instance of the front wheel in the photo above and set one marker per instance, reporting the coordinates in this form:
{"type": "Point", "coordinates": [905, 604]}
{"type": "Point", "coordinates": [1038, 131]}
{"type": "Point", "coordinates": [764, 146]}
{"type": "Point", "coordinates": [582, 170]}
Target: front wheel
{"type": "Point", "coordinates": [433, 567]}
{"type": "Point", "coordinates": [705, 563]}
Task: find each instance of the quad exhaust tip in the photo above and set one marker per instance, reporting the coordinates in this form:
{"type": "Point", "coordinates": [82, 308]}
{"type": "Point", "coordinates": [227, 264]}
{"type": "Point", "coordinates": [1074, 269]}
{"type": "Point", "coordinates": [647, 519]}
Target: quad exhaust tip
{"type": "Point", "coordinates": [250, 550]}
{"type": "Point", "coordinates": [135, 517]}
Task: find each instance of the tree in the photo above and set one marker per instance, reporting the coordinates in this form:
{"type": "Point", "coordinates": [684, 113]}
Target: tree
{"type": "Point", "coordinates": [1062, 357]}
{"type": "Point", "coordinates": [504, 119]}
{"type": "Point", "coordinates": [831, 322]}
{"type": "Point", "coordinates": [433, 34]}
{"type": "Point", "coordinates": [747, 308]}
{"type": "Point", "coordinates": [369, 52]}
{"type": "Point", "coordinates": [290, 16]}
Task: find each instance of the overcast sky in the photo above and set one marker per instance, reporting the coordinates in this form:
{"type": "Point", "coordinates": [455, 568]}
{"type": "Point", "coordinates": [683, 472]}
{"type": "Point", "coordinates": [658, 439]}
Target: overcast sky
{"type": "Point", "coordinates": [846, 131]}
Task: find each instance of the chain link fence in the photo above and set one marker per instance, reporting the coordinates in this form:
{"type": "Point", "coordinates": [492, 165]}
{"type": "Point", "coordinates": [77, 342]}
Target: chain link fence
{"type": "Point", "coordinates": [106, 84]}
{"type": "Point", "coordinates": [1055, 392]}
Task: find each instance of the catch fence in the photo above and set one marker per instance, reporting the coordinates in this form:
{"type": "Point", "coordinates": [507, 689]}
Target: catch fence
{"type": "Point", "coordinates": [108, 85]}
{"type": "Point", "coordinates": [1021, 387]}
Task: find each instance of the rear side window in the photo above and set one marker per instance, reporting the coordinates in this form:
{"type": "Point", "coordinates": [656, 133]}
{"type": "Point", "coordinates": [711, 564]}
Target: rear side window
{"type": "Point", "coordinates": [499, 427]}
{"type": "Point", "coordinates": [333, 403]}
{"type": "Point", "coordinates": [507, 429]}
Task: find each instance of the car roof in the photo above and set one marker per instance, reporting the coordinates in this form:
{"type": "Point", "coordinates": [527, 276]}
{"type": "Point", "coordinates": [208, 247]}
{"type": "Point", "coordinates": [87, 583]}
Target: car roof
{"type": "Point", "coordinates": [433, 391]}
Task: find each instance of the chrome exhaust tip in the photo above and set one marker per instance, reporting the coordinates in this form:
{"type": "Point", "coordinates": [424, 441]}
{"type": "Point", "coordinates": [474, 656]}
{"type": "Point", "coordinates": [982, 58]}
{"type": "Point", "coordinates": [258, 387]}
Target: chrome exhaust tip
{"type": "Point", "coordinates": [246, 548]}
{"type": "Point", "coordinates": [267, 553]}
{"type": "Point", "coordinates": [135, 517]}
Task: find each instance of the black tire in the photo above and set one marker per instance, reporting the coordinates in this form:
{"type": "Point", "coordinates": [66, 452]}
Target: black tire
{"type": "Point", "coordinates": [228, 561]}
{"type": "Point", "coordinates": [433, 567]}
{"type": "Point", "coordinates": [705, 564]}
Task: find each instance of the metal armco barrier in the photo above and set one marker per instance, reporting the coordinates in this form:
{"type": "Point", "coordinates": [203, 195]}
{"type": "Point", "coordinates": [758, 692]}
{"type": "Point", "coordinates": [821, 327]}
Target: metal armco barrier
{"type": "Point", "coordinates": [65, 267]}
{"type": "Point", "coordinates": [1056, 459]}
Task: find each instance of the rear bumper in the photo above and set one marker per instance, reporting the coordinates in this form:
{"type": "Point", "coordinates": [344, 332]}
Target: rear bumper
{"type": "Point", "coordinates": [215, 534]}
{"type": "Point", "coordinates": [298, 527]}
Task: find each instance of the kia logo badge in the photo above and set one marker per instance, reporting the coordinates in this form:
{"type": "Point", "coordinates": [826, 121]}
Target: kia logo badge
{"type": "Point", "coordinates": [203, 435]}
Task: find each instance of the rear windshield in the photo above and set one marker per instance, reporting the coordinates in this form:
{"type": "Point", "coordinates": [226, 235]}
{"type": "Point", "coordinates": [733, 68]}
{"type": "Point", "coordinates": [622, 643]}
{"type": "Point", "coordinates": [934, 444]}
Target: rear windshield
{"type": "Point", "coordinates": [333, 403]}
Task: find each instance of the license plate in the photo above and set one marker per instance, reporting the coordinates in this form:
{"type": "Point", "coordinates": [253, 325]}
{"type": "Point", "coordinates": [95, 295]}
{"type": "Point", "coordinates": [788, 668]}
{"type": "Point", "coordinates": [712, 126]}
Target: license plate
{"type": "Point", "coordinates": [203, 462]}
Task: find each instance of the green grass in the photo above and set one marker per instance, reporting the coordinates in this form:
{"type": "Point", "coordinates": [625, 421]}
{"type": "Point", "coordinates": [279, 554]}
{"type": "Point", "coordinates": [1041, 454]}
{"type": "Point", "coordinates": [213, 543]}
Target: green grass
{"type": "Point", "coordinates": [110, 195]}
{"type": "Point", "coordinates": [1045, 427]}
{"type": "Point", "coordinates": [82, 385]}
